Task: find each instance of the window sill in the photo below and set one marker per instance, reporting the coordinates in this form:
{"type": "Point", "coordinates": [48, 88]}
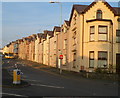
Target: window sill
{"type": "Point", "coordinates": [74, 67]}
{"type": "Point", "coordinates": [103, 41]}
{"type": "Point", "coordinates": [74, 50]}
{"type": "Point", "coordinates": [91, 67]}
{"type": "Point", "coordinates": [64, 65]}
{"type": "Point", "coordinates": [92, 41]}
{"type": "Point", "coordinates": [74, 44]}
{"type": "Point", "coordinates": [102, 67]}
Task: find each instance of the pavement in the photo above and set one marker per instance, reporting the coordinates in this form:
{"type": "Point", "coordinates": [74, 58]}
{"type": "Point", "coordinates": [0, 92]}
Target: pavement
{"type": "Point", "coordinates": [70, 74]}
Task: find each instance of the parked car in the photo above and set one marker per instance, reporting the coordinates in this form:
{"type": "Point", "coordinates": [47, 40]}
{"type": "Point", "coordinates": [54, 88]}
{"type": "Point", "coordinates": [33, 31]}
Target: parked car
{"type": "Point", "coordinates": [9, 56]}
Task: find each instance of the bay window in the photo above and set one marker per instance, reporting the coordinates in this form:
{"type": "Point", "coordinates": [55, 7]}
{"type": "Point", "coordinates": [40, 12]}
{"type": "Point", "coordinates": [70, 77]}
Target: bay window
{"type": "Point", "coordinates": [102, 33]}
{"type": "Point", "coordinates": [118, 36]}
{"type": "Point", "coordinates": [102, 59]}
{"type": "Point", "coordinates": [92, 33]}
{"type": "Point", "coordinates": [65, 44]}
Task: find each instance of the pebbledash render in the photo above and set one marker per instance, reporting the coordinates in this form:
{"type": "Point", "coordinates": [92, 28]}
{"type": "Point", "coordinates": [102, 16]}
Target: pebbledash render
{"type": "Point", "coordinates": [89, 40]}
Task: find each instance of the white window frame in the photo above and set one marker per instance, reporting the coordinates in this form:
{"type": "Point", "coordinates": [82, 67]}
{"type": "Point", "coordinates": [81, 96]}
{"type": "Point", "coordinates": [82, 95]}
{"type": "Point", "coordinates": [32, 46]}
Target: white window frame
{"type": "Point", "coordinates": [102, 33]}
{"type": "Point", "coordinates": [102, 59]}
{"type": "Point", "coordinates": [91, 59]}
{"type": "Point", "coordinates": [92, 33]}
{"type": "Point", "coordinates": [118, 36]}
{"type": "Point", "coordinates": [99, 14]}
{"type": "Point", "coordinates": [65, 44]}
{"type": "Point", "coordinates": [54, 44]}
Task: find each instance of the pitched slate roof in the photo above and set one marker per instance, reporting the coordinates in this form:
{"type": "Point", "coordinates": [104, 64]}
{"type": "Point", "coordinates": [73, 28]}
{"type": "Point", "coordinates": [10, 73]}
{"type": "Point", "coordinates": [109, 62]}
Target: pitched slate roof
{"type": "Point", "coordinates": [39, 35]}
{"type": "Point", "coordinates": [79, 8]}
{"type": "Point", "coordinates": [13, 42]}
{"type": "Point", "coordinates": [56, 28]}
{"type": "Point", "coordinates": [84, 8]}
{"type": "Point", "coordinates": [50, 33]}
{"type": "Point", "coordinates": [44, 36]}
{"type": "Point", "coordinates": [67, 22]}
{"type": "Point", "coordinates": [34, 35]}
{"type": "Point", "coordinates": [117, 9]}
{"type": "Point", "coordinates": [20, 40]}
{"type": "Point", "coordinates": [30, 38]}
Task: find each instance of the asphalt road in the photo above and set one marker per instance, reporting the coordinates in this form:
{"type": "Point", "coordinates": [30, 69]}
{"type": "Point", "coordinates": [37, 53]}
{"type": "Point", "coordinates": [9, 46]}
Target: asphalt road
{"type": "Point", "coordinates": [51, 84]}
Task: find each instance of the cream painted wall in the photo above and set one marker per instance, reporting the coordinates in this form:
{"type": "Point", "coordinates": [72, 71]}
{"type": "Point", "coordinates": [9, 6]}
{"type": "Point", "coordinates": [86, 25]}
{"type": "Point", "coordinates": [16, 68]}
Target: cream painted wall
{"type": "Point", "coordinates": [84, 45]}
{"type": "Point", "coordinates": [78, 28]}
{"type": "Point", "coordinates": [37, 49]}
{"type": "Point", "coordinates": [47, 52]}
{"type": "Point", "coordinates": [40, 52]}
{"type": "Point", "coordinates": [100, 46]}
{"type": "Point", "coordinates": [53, 52]}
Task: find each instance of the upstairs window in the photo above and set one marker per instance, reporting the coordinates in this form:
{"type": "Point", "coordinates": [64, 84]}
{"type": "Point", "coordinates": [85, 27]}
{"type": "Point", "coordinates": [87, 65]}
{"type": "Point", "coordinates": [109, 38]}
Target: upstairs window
{"type": "Point", "coordinates": [74, 34]}
{"type": "Point", "coordinates": [74, 39]}
{"type": "Point", "coordinates": [75, 18]}
{"type": "Point", "coordinates": [65, 44]}
{"type": "Point", "coordinates": [54, 44]}
{"type": "Point", "coordinates": [118, 36]}
{"type": "Point", "coordinates": [102, 33]}
{"type": "Point", "coordinates": [92, 33]}
{"type": "Point", "coordinates": [99, 14]}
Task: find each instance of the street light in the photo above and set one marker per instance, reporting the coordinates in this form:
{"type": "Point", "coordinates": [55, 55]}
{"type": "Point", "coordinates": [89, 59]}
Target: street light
{"type": "Point", "coordinates": [60, 11]}
{"type": "Point", "coordinates": [54, 2]}
{"type": "Point", "coordinates": [60, 30]}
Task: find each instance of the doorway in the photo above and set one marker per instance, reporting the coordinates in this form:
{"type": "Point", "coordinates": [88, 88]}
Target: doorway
{"type": "Point", "coordinates": [118, 63]}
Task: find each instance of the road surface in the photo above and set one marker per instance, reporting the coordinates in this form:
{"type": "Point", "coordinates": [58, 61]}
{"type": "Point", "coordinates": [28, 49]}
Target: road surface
{"type": "Point", "coordinates": [51, 84]}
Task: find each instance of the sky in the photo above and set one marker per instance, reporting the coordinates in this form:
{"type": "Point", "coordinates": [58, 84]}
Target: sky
{"type": "Point", "coordinates": [21, 19]}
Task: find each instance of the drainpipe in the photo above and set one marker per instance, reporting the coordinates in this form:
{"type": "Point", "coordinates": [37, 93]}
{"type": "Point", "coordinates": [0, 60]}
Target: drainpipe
{"type": "Point", "coordinates": [82, 39]}
{"type": "Point", "coordinates": [112, 43]}
{"type": "Point", "coordinates": [42, 52]}
{"type": "Point", "coordinates": [83, 36]}
{"type": "Point", "coordinates": [49, 52]}
{"type": "Point", "coordinates": [57, 52]}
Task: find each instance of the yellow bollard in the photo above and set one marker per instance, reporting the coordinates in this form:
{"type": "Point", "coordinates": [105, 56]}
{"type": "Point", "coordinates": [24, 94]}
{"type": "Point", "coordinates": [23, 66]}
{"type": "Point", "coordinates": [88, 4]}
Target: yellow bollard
{"type": "Point", "coordinates": [16, 76]}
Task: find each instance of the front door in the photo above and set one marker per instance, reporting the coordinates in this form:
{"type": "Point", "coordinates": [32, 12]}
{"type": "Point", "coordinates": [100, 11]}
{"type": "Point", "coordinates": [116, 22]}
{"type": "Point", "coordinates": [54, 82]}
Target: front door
{"type": "Point", "coordinates": [118, 63]}
{"type": "Point", "coordinates": [74, 60]}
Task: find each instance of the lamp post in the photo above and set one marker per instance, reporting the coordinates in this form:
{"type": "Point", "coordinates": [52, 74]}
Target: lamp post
{"type": "Point", "coordinates": [60, 10]}
{"type": "Point", "coordinates": [60, 31]}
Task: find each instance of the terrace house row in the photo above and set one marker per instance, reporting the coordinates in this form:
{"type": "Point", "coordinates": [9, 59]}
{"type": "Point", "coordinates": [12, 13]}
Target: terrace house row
{"type": "Point", "coordinates": [89, 40]}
